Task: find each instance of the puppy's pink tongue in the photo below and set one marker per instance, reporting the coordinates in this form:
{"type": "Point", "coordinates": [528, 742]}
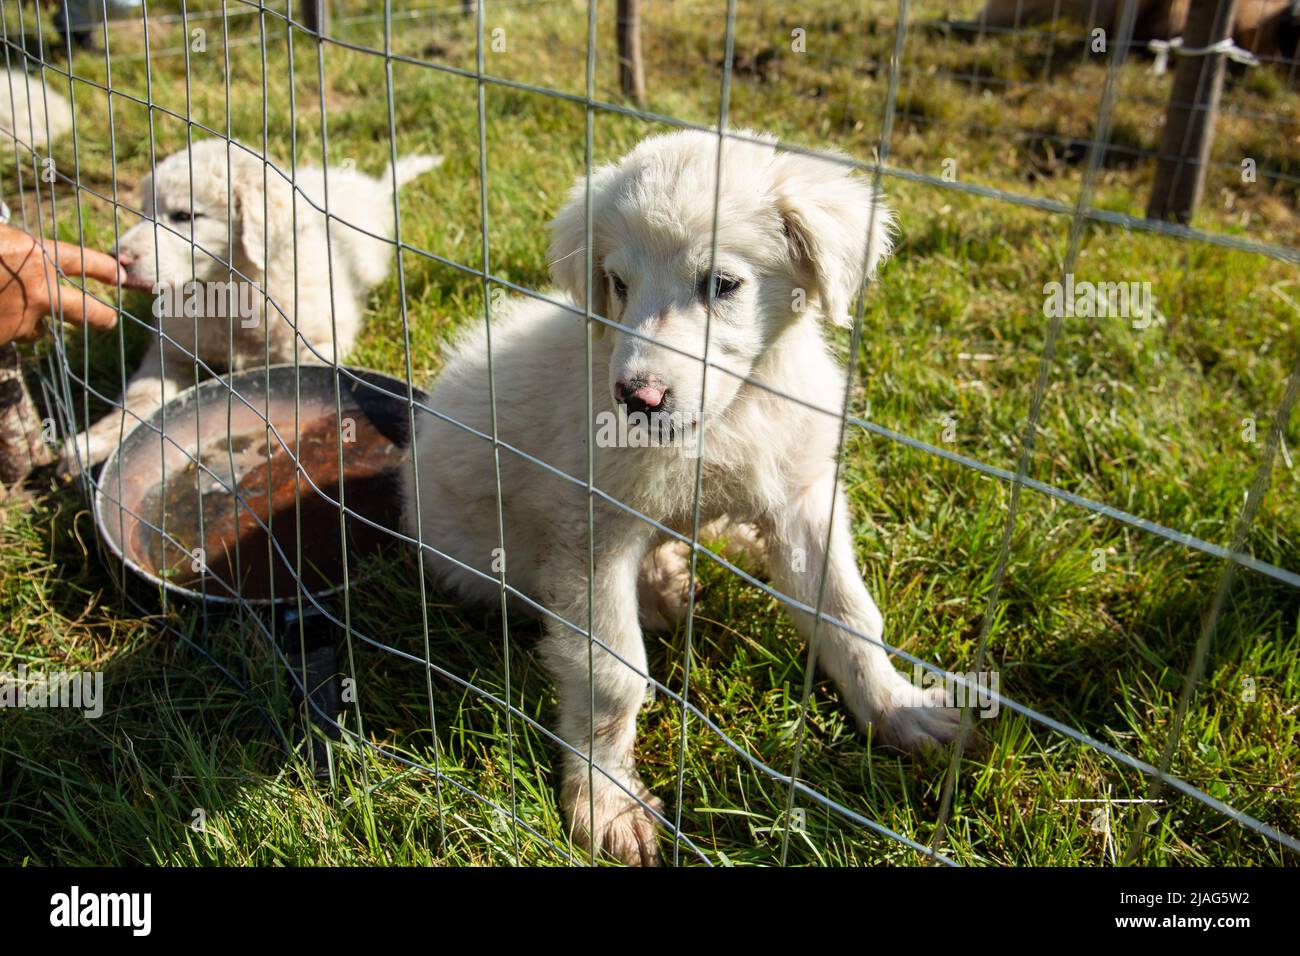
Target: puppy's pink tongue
{"type": "Point", "coordinates": [652, 396]}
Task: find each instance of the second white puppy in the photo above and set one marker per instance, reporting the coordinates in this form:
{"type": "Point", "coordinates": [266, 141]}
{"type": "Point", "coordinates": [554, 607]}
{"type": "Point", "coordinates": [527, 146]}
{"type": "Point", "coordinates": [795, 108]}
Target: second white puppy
{"type": "Point", "coordinates": [31, 112]}
{"type": "Point", "coordinates": [247, 221]}
{"type": "Point", "coordinates": [791, 253]}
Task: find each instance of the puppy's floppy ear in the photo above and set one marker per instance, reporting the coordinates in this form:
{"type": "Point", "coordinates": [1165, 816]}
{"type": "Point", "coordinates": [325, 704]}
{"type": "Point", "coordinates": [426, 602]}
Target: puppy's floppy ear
{"type": "Point", "coordinates": [261, 215]}
{"type": "Point", "coordinates": [827, 214]}
{"type": "Point", "coordinates": [249, 214]}
{"type": "Point", "coordinates": [568, 253]}
{"type": "Point", "coordinates": [146, 192]}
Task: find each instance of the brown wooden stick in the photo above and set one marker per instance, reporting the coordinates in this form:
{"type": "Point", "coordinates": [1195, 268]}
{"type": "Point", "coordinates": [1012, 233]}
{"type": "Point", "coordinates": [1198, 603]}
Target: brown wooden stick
{"type": "Point", "coordinates": [1193, 105]}
{"type": "Point", "coordinates": [22, 444]}
{"type": "Point", "coordinates": [631, 67]}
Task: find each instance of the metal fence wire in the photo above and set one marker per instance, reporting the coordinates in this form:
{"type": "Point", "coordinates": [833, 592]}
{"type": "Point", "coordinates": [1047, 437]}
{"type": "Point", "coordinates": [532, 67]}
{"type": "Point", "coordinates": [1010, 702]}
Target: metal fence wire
{"type": "Point", "coordinates": [55, 200]}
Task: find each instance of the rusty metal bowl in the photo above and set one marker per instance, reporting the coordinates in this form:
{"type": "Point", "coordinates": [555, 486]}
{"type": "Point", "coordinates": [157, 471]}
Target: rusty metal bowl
{"type": "Point", "coordinates": [230, 492]}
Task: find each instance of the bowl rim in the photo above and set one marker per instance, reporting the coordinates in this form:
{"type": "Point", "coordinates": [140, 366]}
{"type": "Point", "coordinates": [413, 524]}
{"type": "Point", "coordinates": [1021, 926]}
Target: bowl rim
{"type": "Point", "coordinates": [100, 500]}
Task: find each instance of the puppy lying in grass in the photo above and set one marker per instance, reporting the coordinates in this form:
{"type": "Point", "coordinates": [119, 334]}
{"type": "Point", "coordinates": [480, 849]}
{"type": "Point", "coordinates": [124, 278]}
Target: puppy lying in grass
{"type": "Point", "coordinates": [242, 277]}
{"type": "Point", "coordinates": [31, 113]}
{"type": "Point", "coordinates": [795, 238]}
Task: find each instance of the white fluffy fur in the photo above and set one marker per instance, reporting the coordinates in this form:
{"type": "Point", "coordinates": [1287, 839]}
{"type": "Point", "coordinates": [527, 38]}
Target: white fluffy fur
{"type": "Point", "coordinates": [254, 206]}
{"type": "Point", "coordinates": [26, 105]}
{"type": "Point", "coordinates": [786, 223]}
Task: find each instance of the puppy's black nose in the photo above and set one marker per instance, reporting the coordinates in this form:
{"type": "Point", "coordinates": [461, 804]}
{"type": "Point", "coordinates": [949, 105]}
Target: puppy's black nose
{"type": "Point", "coordinates": [639, 395]}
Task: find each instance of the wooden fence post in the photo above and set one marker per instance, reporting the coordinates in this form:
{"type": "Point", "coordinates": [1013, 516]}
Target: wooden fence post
{"type": "Point", "coordinates": [22, 444]}
{"type": "Point", "coordinates": [631, 68]}
{"type": "Point", "coordinates": [316, 16]}
{"type": "Point", "coordinates": [1193, 105]}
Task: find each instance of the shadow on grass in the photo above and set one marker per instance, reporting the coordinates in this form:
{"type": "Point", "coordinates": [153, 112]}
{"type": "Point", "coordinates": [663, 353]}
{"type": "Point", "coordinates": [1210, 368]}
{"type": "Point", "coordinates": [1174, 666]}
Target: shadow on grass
{"type": "Point", "coordinates": [189, 761]}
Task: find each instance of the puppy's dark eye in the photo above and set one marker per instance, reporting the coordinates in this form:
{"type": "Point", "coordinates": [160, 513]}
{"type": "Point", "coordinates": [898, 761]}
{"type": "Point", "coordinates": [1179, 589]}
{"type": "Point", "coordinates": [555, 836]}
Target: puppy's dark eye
{"type": "Point", "coordinates": [724, 286]}
{"type": "Point", "coordinates": [620, 287]}
{"type": "Point", "coordinates": [183, 216]}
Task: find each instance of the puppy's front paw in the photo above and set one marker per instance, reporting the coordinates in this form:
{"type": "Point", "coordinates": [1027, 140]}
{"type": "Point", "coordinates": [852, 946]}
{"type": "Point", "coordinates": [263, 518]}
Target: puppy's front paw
{"type": "Point", "coordinates": [87, 449]}
{"type": "Point", "coordinates": [915, 720]}
{"type": "Point", "coordinates": [74, 456]}
{"type": "Point", "coordinates": [664, 587]}
{"type": "Point", "coordinates": [623, 826]}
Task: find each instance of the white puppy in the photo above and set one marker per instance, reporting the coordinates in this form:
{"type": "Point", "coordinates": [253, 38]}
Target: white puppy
{"type": "Point", "coordinates": [792, 251]}
{"type": "Point", "coordinates": [247, 221]}
{"type": "Point", "coordinates": [31, 113]}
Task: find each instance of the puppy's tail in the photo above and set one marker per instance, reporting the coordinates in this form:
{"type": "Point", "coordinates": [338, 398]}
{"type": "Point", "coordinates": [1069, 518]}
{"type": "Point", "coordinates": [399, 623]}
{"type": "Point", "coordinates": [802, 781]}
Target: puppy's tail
{"type": "Point", "coordinates": [408, 167]}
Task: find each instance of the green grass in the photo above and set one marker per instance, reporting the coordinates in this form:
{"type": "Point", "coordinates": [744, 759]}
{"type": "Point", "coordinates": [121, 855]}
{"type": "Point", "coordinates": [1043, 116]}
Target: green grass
{"type": "Point", "coordinates": [1149, 421]}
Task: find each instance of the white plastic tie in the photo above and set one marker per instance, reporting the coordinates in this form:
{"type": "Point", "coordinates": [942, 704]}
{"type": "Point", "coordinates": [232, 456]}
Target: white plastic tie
{"type": "Point", "coordinates": [1162, 49]}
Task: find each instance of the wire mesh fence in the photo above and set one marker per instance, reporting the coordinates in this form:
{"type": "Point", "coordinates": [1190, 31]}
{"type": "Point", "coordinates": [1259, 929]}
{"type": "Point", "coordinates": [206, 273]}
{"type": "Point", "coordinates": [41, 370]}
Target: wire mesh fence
{"type": "Point", "coordinates": [1053, 111]}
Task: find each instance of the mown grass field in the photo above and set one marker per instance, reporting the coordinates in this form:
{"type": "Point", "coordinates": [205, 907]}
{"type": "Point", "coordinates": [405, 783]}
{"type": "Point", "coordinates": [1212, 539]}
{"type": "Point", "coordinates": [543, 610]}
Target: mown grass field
{"type": "Point", "coordinates": [1096, 621]}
